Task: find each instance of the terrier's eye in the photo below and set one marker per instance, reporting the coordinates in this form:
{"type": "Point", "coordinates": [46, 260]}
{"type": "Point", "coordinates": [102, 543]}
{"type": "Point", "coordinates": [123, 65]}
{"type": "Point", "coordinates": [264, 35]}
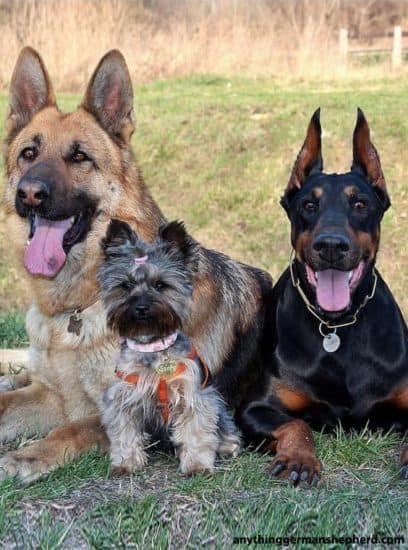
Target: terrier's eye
{"type": "Point", "coordinates": [310, 206]}
{"type": "Point", "coordinates": [159, 286]}
{"type": "Point", "coordinates": [126, 285]}
{"type": "Point", "coordinates": [29, 153]}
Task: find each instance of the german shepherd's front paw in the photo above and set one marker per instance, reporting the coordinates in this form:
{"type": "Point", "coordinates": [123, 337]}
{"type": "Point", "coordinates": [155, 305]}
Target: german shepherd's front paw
{"type": "Point", "coordinates": [299, 468]}
{"type": "Point", "coordinates": [25, 467]}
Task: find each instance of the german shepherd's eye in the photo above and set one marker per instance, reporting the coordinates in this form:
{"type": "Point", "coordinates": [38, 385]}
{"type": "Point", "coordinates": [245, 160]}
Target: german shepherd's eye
{"type": "Point", "coordinates": [310, 206]}
{"type": "Point", "coordinates": [79, 156]}
{"type": "Point", "coordinates": [29, 153]}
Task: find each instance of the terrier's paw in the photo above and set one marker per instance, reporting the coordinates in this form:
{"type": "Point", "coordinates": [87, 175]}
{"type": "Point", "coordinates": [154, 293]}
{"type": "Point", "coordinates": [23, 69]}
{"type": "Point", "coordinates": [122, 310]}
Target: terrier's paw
{"type": "Point", "coordinates": [197, 463]}
{"type": "Point", "coordinates": [298, 468]}
{"type": "Point", "coordinates": [194, 468]}
{"type": "Point", "coordinates": [24, 467]}
{"type": "Point", "coordinates": [123, 466]}
{"type": "Point", "coordinates": [230, 446]}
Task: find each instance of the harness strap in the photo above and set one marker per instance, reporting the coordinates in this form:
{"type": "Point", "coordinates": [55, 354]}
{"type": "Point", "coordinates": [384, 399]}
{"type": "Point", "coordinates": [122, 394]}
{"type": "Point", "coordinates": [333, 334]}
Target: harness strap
{"type": "Point", "coordinates": [162, 392]}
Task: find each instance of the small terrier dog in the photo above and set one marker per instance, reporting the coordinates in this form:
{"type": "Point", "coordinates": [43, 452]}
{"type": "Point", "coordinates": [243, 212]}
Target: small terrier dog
{"type": "Point", "coordinates": [163, 389]}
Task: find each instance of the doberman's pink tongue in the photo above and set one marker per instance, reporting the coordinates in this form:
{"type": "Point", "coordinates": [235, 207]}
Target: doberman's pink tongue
{"type": "Point", "coordinates": [44, 254]}
{"type": "Point", "coordinates": [333, 290]}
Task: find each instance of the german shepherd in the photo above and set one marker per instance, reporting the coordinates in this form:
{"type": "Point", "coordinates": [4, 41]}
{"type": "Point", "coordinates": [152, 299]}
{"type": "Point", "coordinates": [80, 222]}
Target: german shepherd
{"type": "Point", "coordinates": [68, 175]}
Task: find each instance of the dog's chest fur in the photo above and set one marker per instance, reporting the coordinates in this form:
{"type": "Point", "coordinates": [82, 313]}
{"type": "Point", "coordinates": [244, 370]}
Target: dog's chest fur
{"type": "Point", "coordinates": [54, 349]}
{"type": "Point", "coordinates": [349, 382]}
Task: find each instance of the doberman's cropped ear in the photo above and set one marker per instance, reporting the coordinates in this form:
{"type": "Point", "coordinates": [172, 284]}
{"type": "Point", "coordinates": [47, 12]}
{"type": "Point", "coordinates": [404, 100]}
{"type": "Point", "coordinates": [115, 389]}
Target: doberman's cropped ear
{"type": "Point", "coordinates": [366, 158]}
{"type": "Point", "coordinates": [117, 234]}
{"type": "Point", "coordinates": [30, 90]}
{"type": "Point", "coordinates": [175, 234]}
{"type": "Point", "coordinates": [109, 96]}
{"type": "Point", "coordinates": [309, 159]}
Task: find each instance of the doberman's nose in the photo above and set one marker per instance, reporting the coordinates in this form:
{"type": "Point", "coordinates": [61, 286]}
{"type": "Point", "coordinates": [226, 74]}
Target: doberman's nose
{"type": "Point", "coordinates": [331, 247]}
{"type": "Point", "coordinates": [33, 192]}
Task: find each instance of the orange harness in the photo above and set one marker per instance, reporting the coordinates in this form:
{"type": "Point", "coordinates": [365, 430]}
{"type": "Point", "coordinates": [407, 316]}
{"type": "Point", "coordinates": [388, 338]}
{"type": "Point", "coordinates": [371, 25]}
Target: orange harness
{"type": "Point", "coordinates": [162, 393]}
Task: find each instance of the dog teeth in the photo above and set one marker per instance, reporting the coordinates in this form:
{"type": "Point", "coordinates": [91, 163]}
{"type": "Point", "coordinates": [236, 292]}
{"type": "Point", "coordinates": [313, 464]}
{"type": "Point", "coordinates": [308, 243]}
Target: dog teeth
{"type": "Point", "coordinates": [350, 275]}
{"type": "Point", "coordinates": [72, 220]}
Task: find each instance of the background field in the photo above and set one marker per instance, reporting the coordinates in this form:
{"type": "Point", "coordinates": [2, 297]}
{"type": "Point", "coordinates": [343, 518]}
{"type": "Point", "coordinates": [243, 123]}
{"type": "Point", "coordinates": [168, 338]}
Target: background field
{"type": "Point", "coordinates": [217, 153]}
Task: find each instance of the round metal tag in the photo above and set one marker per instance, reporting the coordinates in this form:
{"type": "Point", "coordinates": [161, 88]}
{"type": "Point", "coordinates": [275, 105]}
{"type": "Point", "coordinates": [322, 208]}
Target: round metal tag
{"type": "Point", "coordinates": [331, 342]}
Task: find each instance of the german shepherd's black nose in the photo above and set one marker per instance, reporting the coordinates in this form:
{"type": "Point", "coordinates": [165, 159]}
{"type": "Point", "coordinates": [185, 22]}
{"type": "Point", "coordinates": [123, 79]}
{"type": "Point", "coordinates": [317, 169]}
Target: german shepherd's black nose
{"type": "Point", "coordinates": [33, 193]}
{"type": "Point", "coordinates": [331, 246]}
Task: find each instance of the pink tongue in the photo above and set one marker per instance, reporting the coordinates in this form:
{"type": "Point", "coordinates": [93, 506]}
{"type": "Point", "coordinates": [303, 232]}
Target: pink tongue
{"type": "Point", "coordinates": [44, 254]}
{"type": "Point", "coordinates": [333, 291]}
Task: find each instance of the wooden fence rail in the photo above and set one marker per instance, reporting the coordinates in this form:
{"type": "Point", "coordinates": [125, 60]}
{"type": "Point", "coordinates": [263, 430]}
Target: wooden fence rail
{"type": "Point", "coordinates": [395, 51]}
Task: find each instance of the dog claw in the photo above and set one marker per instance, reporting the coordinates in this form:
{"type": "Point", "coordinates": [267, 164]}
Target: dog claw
{"type": "Point", "coordinates": [304, 475]}
{"type": "Point", "coordinates": [294, 476]}
{"type": "Point", "coordinates": [315, 480]}
{"type": "Point", "coordinates": [404, 472]}
{"type": "Point", "coordinates": [277, 469]}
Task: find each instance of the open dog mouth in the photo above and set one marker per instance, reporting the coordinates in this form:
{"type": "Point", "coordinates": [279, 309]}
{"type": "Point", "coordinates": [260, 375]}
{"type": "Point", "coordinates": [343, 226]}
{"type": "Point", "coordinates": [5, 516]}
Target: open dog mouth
{"type": "Point", "coordinates": [334, 287]}
{"type": "Point", "coordinates": [49, 242]}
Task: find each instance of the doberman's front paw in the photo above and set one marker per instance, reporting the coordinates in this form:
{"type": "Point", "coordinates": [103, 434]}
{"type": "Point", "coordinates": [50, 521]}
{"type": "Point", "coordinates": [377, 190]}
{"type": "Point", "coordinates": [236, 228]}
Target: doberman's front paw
{"type": "Point", "coordinates": [298, 468]}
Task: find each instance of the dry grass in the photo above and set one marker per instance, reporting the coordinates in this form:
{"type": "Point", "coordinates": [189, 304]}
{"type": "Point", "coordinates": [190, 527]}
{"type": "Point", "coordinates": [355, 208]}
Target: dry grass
{"type": "Point", "coordinates": [181, 37]}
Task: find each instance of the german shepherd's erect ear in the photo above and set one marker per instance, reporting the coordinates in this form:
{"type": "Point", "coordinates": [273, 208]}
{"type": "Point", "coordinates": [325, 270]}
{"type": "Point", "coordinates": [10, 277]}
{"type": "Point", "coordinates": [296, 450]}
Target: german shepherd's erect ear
{"type": "Point", "coordinates": [30, 91]}
{"type": "Point", "coordinates": [109, 96]}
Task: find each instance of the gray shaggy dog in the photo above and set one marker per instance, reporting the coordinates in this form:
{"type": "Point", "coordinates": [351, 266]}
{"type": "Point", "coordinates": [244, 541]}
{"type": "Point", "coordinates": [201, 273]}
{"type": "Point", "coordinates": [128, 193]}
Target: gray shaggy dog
{"type": "Point", "coordinates": [163, 390]}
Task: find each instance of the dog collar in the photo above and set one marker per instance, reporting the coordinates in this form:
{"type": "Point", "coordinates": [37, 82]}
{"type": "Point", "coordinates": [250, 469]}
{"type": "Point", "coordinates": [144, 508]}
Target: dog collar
{"type": "Point", "coordinates": [331, 341]}
{"type": "Point", "coordinates": [157, 345]}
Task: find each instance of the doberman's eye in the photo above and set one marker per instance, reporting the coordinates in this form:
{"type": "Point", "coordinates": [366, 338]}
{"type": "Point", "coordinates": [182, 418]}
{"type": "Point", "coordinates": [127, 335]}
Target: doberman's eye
{"type": "Point", "coordinates": [310, 206]}
{"type": "Point", "coordinates": [358, 204]}
{"type": "Point", "coordinates": [79, 156]}
{"type": "Point", "coordinates": [29, 153]}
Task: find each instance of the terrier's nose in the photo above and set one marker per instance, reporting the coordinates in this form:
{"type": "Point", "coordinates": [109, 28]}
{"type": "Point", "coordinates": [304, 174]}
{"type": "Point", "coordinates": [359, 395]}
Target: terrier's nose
{"type": "Point", "coordinates": [141, 310]}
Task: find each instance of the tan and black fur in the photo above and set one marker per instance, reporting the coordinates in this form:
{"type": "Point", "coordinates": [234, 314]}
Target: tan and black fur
{"type": "Point", "coordinates": [55, 164]}
{"type": "Point", "coordinates": [147, 291]}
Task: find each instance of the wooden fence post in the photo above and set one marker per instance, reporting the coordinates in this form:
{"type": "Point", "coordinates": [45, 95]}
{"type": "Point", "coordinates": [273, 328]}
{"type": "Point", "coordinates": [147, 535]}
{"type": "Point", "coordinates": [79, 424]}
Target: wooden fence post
{"type": "Point", "coordinates": [343, 44]}
{"type": "Point", "coordinates": [397, 48]}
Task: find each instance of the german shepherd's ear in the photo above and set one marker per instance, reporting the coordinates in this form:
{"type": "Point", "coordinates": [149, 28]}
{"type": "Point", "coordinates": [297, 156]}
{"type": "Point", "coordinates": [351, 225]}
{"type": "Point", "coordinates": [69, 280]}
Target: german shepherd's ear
{"type": "Point", "coordinates": [367, 160]}
{"type": "Point", "coordinates": [175, 234]}
{"type": "Point", "coordinates": [117, 234]}
{"type": "Point", "coordinates": [109, 96]}
{"type": "Point", "coordinates": [309, 159]}
{"type": "Point", "coordinates": [30, 90]}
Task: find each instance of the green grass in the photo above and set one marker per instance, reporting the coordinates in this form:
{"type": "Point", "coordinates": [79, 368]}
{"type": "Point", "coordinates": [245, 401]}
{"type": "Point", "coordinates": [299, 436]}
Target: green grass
{"type": "Point", "coordinates": [12, 330]}
{"type": "Point", "coordinates": [217, 153]}
{"type": "Point", "coordinates": [360, 494]}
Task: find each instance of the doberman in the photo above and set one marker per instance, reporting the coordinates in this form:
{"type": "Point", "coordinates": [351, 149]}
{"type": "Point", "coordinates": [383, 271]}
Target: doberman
{"type": "Point", "coordinates": [339, 341]}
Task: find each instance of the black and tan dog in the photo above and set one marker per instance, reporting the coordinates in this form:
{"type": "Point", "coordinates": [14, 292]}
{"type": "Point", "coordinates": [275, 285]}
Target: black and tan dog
{"type": "Point", "coordinates": [68, 175]}
{"type": "Point", "coordinates": [340, 350]}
